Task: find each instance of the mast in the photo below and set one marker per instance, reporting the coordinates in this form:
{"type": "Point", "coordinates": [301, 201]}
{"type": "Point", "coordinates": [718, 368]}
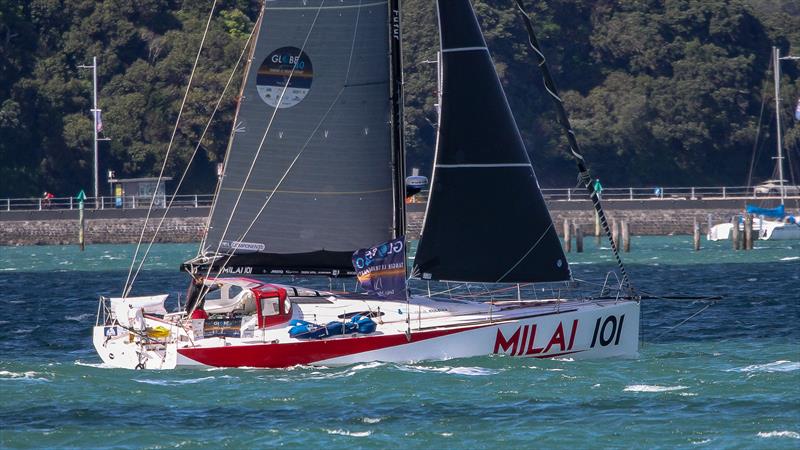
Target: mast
{"type": "Point", "coordinates": [777, 66]}
{"type": "Point", "coordinates": [398, 147]}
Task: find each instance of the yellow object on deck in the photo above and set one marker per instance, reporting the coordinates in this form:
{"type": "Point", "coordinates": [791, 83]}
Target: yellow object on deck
{"type": "Point", "coordinates": [157, 332]}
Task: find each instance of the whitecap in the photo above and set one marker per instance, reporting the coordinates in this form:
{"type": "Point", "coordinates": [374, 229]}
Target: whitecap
{"type": "Point", "coordinates": [790, 258]}
{"type": "Point", "coordinates": [95, 365]}
{"type": "Point", "coordinates": [79, 318]}
{"type": "Point", "coordinates": [349, 433]}
{"type": "Point", "coordinates": [469, 371]}
{"type": "Point", "coordinates": [371, 419]}
{"type": "Point", "coordinates": [652, 388]}
{"type": "Point", "coordinates": [369, 365]}
{"type": "Point", "coordinates": [786, 434]}
{"type": "Point", "coordinates": [776, 366]}
{"type": "Point", "coordinates": [701, 442]}
{"type": "Point", "coordinates": [446, 434]}
{"type": "Point", "coordinates": [174, 382]}
{"type": "Point", "coordinates": [30, 376]}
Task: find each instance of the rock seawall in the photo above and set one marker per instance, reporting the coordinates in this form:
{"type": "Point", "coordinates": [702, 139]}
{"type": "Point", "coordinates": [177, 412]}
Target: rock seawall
{"type": "Point", "coordinates": [190, 229]}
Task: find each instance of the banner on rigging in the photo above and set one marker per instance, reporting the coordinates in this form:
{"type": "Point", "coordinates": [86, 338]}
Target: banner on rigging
{"type": "Point", "coordinates": [381, 269]}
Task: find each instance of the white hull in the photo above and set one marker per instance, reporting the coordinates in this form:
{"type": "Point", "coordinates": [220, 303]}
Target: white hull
{"type": "Point", "coordinates": [440, 329]}
{"type": "Point", "coordinates": [768, 230]}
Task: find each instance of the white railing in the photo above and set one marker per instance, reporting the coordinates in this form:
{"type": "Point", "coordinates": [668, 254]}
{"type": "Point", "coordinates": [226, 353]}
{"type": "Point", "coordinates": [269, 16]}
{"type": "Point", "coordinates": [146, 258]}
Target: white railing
{"type": "Point", "coordinates": [126, 202]}
{"type": "Point", "coordinates": [661, 193]}
{"type": "Point", "coordinates": [550, 194]}
{"type": "Point", "coordinates": [674, 193]}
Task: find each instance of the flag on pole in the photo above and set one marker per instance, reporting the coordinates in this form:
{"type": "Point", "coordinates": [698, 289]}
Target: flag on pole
{"type": "Point", "coordinates": [381, 270]}
{"type": "Point", "coordinates": [99, 123]}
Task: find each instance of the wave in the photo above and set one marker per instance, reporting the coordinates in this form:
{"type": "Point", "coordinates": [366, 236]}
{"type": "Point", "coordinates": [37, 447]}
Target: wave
{"type": "Point", "coordinates": [776, 366]}
{"type": "Point", "coordinates": [349, 433]}
{"type": "Point", "coordinates": [653, 388]}
{"type": "Point", "coordinates": [369, 365]}
{"type": "Point", "coordinates": [786, 434]}
{"type": "Point", "coordinates": [79, 318]}
{"type": "Point", "coordinates": [95, 365]}
{"type": "Point", "coordinates": [790, 258]}
{"type": "Point", "coordinates": [468, 371]}
{"type": "Point", "coordinates": [25, 376]}
{"type": "Point", "coordinates": [175, 382]}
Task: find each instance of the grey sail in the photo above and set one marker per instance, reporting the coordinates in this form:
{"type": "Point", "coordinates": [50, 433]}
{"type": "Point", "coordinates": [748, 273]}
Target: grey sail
{"type": "Point", "coordinates": [486, 220]}
{"type": "Point", "coordinates": [314, 133]}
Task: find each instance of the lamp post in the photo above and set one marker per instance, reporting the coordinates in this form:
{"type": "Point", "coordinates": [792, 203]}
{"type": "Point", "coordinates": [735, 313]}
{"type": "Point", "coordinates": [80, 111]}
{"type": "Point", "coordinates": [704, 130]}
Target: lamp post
{"type": "Point", "coordinates": [95, 115]}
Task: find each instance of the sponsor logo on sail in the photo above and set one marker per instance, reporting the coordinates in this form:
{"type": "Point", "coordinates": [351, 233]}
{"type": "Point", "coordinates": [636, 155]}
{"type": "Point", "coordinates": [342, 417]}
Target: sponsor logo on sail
{"type": "Point", "coordinates": [284, 77]}
{"type": "Point", "coordinates": [240, 246]}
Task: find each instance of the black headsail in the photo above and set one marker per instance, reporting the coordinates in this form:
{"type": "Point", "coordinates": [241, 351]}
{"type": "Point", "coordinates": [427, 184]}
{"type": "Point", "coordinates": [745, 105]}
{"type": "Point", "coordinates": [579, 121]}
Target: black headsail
{"type": "Point", "coordinates": [307, 184]}
{"type": "Point", "coordinates": [486, 219]}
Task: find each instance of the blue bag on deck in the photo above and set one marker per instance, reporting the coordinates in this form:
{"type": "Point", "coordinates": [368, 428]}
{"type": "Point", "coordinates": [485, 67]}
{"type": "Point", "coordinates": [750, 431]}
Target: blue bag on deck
{"type": "Point", "coordinates": [307, 330]}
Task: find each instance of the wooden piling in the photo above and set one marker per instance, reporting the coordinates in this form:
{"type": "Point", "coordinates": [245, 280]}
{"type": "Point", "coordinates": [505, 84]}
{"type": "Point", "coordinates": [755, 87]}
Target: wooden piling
{"type": "Point", "coordinates": [597, 229]}
{"type": "Point", "coordinates": [696, 235]}
{"type": "Point", "coordinates": [735, 235]}
{"type": "Point", "coordinates": [626, 237]}
{"type": "Point", "coordinates": [578, 238]}
{"type": "Point", "coordinates": [615, 232]}
{"type": "Point", "coordinates": [748, 232]}
{"type": "Point", "coordinates": [567, 236]}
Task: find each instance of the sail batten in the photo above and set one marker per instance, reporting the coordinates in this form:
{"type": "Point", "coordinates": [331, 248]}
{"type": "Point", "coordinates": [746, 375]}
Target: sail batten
{"type": "Point", "coordinates": [486, 220]}
{"type": "Point", "coordinates": [308, 178]}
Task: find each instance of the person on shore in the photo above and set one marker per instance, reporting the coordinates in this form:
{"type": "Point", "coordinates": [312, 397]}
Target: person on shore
{"type": "Point", "coordinates": [598, 188]}
{"type": "Point", "coordinates": [47, 199]}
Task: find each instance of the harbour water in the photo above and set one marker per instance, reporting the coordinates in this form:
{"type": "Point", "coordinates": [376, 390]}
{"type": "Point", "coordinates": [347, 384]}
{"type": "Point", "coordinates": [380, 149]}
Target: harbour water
{"type": "Point", "coordinates": [729, 377]}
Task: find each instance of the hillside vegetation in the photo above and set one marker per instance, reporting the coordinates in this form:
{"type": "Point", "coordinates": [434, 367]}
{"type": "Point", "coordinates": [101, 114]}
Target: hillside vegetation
{"type": "Point", "coordinates": [660, 92]}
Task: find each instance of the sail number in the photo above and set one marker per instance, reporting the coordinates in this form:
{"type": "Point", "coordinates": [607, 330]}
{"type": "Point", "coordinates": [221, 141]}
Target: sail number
{"type": "Point", "coordinates": [610, 331]}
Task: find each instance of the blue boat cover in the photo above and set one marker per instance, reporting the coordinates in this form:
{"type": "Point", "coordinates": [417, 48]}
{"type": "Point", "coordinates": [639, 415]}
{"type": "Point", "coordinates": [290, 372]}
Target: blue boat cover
{"type": "Point", "coordinates": [778, 211]}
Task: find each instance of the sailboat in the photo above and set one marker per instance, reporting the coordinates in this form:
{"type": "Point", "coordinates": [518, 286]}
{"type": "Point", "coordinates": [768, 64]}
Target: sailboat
{"type": "Point", "coordinates": [314, 178]}
{"type": "Point", "coordinates": [771, 224]}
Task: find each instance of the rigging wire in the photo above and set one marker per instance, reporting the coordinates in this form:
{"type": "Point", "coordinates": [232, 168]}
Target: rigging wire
{"type": "Point", "coordinates": [126, 288]}
{"type": "Point", "coordinates": [574, 148]}
{"type": "Point", "coordinates": [685, 320]}
{"type": "Point", "coordinates": [191, 158]}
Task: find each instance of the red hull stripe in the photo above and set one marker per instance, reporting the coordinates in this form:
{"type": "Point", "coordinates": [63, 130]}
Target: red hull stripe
{"type": "Point", "coordinates": [307, 352]}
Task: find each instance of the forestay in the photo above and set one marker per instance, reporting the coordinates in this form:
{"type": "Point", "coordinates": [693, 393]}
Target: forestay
{"type": "Point", "coordinates": [486, 220]}
{"type": "Point", "coordinates": [321, 163]}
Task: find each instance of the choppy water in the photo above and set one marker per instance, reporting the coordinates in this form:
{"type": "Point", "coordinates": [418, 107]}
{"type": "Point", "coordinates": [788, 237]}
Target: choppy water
{"type": "Point", "coordinates": [730, 377]}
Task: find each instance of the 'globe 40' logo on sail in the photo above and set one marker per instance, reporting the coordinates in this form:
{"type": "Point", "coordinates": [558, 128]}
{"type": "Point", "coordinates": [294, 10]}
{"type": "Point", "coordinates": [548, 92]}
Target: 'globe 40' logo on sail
{"type": "Point", "coordinates": [284, 77]}
{"type": "Point", "coordinates": [381, 269]}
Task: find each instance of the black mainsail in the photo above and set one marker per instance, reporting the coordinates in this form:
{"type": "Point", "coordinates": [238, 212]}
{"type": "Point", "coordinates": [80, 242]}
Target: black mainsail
{"type": "Point", "coordinates": [486, 220]}
{"type": "Point", "coordinates": [311, 174]}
